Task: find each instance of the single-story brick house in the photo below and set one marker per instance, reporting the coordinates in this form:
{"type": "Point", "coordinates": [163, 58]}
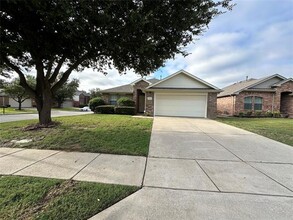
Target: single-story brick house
{"type": "Point", "coordinates": [180, 94]}
{"type": "Point", "coordinates": [272, 93]}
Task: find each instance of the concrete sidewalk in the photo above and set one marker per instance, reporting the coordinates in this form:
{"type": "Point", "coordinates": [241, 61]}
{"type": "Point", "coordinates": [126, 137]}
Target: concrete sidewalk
{"type": "Point", "coordinates": [104, 168]}
{"type": "Point", "coordinates": [203, 169]}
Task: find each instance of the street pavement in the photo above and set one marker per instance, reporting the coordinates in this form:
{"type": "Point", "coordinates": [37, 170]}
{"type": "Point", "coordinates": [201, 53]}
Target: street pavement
{"type": "Point", "coordinates": [24, 116]}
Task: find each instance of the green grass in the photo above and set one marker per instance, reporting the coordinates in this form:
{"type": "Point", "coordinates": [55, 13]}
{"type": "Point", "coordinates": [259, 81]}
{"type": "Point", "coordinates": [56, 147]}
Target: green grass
{"type": "Point", "coordinates": [279, 129]}
{"type": "Point", "coordinates": [11, 110]}
{"type": "Point", "coordinates": [41, 198]}
{"type": "Point", "coordinates": [116, 134]}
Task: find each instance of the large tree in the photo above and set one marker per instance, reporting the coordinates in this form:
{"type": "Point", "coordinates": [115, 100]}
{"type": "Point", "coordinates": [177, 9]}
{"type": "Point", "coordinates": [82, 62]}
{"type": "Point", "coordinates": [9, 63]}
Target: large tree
{"type": "Point", "coordinates": [66, 91]}
{"type": "Point", "coordinates": [47, 35]}
{"type": "Point", "coordinates": [16, 91]}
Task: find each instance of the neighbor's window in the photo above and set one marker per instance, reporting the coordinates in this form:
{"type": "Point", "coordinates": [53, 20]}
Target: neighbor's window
{"type": "Point", "coordinates": [257, 103]}
{"type": "Point", "coordinates": [248, 103]}
{"type": "Point", "coordinates": [113, 99]}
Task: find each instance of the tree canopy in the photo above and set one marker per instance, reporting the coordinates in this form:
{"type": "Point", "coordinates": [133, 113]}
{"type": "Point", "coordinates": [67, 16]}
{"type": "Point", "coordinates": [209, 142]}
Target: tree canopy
{"type": "Point", "coordinates": [47, 35]}
{"type": "Point", "coordinates": [67, 91]}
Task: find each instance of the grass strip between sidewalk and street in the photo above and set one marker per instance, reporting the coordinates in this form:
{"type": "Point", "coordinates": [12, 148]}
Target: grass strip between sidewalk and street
{"type": "Point", "coordinates": [41, 198]}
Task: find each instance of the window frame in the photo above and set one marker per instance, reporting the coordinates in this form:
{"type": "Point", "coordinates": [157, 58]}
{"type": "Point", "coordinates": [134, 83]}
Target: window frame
{"type": "Point", "coordinates": [113, 99]}
{"type": "Point", "coordinates": [249, 104]}
{"type": "Point", "coordinates": [258, 106]}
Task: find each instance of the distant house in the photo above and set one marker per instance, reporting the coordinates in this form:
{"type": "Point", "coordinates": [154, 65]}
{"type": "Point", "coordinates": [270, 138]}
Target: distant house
{"type": "Point", "coordinates": [5, 100]}
{"type": "Point", "coordinates": [81, 98]}
{"type": "Point", "coordinates": [272, 93]}
{"type": "Point", "coordinates": [180, 94]}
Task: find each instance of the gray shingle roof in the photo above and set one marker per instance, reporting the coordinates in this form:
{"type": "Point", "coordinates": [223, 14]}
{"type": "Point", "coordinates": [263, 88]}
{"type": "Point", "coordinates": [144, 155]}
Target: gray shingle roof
{"type": "Point", "coordinates": [119, 89]}
{"type": "Point", "coordinates": [128, 88]}
{"type": "Point", "coordinates": [229, 90]}
{"type": "Point", "coordinates": [236, 87]}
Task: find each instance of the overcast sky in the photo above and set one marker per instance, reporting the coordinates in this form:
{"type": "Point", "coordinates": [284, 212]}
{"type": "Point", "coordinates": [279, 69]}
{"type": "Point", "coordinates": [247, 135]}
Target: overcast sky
{"type": "Point", "coordinates": [254, 40]}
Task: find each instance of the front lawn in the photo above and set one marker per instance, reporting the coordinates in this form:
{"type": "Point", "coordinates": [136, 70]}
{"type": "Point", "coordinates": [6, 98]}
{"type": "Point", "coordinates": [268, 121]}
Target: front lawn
{"type": "Point", "coordinates": [116, 134]}
{"type": "Point", "coordinates": [41, 198]}
{"type": "Point", "coordinates": [279, 129]}
{"type": "Point", "coordinates": [11, 110]}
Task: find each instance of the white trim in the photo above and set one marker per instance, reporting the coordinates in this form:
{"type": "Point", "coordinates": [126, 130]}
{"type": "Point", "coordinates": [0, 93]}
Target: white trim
{"type": "Point", "coordinates": [186, 73]}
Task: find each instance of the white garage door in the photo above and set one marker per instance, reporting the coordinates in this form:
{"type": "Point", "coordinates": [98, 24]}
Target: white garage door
{"type": "Point", "coordinates": [190, 105]}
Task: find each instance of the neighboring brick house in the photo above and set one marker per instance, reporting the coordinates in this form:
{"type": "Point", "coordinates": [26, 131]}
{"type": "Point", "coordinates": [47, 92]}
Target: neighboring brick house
{"type": "Point", "coordinates": [272, 93]}
{"type": "Point", "coordinates": [180, 94]}
{"type": "Point", "coordinates": [81, 98]}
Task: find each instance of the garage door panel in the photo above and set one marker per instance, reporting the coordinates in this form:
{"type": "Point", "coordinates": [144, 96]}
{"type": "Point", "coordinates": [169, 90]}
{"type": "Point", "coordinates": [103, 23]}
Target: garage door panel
{"type": "Point", "coordinates": [180, 105]}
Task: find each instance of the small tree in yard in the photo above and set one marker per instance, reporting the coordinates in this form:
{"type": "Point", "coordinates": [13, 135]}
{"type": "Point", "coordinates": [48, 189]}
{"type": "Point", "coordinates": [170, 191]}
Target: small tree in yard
{"type": "Point", "coordinates": [95, 93]}
{"type": "Point", "coordinates": [66, 91]}
{"type": "Point", "coordinates": [48, 35]}
{"type": "Point", "coordinates": [16, 91]}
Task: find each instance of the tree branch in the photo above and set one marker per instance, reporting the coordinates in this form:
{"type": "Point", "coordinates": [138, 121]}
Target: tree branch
{"type": "Point", "coordinates": [50, 65]}
{"type": "Point", "coordinates": [56, 70]}
{"type": "Point", "coordinates": [22, 78]}
{"type": "Point", "coordinates": [67, 73]}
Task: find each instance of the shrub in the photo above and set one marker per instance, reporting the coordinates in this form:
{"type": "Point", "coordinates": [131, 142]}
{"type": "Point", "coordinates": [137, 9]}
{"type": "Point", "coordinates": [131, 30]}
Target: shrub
{"type": "Point", "coordinates": [277, 114]}
{"type": "Point", "coordinates": [269, 113]}
{"type": "Point", "coordinates": [124, 101]}
{"type": "Point", "coordinates": [241, 114]}
{"type": "Point", "coordinates": [81, 106]}
{"type": "Point", "coordinates": [258, 113]}
{"type": "Point", "coordinates": [105, 109]}
{"type": "Point", "coordinates": [93, 103]}
{"type": "Point", "coordinates": [248, 113]}
{"type": "Point", "coordinates": [125, 110]}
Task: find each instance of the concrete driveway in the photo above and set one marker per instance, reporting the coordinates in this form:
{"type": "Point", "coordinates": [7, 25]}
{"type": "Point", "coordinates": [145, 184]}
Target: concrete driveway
{"type": "Point", "coordinates": [203, 169]}
{"type": "Point", "coordinates": [21, 117]}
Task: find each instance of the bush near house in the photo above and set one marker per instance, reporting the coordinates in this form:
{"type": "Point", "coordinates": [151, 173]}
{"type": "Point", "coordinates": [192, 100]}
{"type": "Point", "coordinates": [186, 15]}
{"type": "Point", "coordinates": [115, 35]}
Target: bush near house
{"type": "Point", "coordinates": [93, 103]}
{"type": "Point", "coordinates": [125, 110]}
{"type": "Point", "coordinates": [105, 109]}
{"type": "Point", "coordinates": [260, 114]}
{"type": "Point", "coordinates": [124, 101]}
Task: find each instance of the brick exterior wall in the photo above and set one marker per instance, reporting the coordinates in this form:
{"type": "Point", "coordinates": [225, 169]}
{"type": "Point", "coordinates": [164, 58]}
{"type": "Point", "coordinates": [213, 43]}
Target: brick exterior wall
{"type": "Point", "coordinates": [139, 85]}
{"type": "Point", "coordinates": [272, 101]}
{"type": "Point", "coordinates": [225, 105]}
{"type": "Point", "coordinates": [4, 101]}
{"type": "Point", "coordinates": [106, 97]}
{"type": "Point", "coordinates": [286, 87]}
{"type": "Point", "coordinates": [149, 104]}
{"type": "Point", "coordinates": [212, 105]}
{"type": "Point", "coordinates": [267, 104]}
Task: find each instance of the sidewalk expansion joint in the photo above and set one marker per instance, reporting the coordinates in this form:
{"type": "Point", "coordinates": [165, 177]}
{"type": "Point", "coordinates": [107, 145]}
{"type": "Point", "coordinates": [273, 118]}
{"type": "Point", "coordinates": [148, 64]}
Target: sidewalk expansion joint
{"type": "Point", "coordinates": [36, 162]}
{"type": "Point", "coordinates": [85, 166]}
{"type": "Point", "coordinates": [219, 192]}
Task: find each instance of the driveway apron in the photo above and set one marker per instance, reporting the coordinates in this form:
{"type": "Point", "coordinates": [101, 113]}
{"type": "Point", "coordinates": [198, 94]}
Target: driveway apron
{"type": "Point", "coordinates": [203, 169]}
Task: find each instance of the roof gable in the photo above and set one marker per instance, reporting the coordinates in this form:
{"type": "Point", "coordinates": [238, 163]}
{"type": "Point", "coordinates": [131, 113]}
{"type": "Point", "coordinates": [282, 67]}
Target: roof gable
{"type": "Point", "coordinates": [182, 79]}
{"type": "Point", "coordinates": [263, 83]}
{"type": "Point", "coordinates": [267, 82]}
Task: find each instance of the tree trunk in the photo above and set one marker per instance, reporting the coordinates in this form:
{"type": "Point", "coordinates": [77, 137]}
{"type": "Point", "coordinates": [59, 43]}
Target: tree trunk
{"type": "Point", "coordinates": [44, 105]}
{"type": "Point", "coordinates": [59, 105]}
{"type": "Point", "coordinates": [19, 105]}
